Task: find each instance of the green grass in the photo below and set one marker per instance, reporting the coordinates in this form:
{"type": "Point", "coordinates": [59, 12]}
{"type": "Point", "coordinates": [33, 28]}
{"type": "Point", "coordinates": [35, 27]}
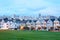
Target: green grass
{"type": "Point", "coordinates": [29, 35]}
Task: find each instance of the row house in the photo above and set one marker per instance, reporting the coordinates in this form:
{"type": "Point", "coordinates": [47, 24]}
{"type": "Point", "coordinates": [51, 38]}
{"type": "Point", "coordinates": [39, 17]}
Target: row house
{"type": "Point", "coordinates": [31, 24]}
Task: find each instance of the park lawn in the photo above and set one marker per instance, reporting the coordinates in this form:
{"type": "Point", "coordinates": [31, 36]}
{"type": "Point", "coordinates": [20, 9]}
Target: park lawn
{"type": "Point", "coordinates": [28, 35]}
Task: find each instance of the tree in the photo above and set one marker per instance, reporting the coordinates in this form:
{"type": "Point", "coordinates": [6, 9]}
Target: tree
{"type": "Point", "coordinates": [6, 19]}
{"type": "Point", "coordinates": [53, 19]}
{"type": "Point", "coordinates": [59, 19]}
{"type": "Point", "coordinates": [46, 20]}
{"type": "Point", "coordinates": [0, 20]}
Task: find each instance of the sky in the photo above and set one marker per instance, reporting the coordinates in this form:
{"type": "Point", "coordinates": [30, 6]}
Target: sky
{"type": "Point", "coordinates": [30, 7]}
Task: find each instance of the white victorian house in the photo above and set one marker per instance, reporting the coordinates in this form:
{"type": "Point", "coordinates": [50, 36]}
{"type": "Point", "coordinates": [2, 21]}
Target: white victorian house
{"type": "Point", "coordinates": [33, 25]}
{"type": "Point", "coordinates": [56, 24]}
{"type": "Point", "coordinates": [4, 26]}
{"type": "Point", "coordinates": [28, 24]}
{"type": "Point", "coordinates": [38, 25]}
{"type": "Point", "coordinates": [44, 26]}
{"type": "Point", "coordinates": [49, 24]}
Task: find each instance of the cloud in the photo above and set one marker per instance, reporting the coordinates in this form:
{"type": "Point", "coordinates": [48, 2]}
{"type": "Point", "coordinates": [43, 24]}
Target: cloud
{"type": "Point", "coordinates": [30, 7]}
{"type": "Point", "coordinates": [50, 11]}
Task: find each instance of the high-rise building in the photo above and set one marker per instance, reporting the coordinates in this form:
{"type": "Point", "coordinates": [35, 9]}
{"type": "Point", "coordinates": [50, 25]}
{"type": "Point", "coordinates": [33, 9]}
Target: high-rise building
{"type": "Point", "coordinates": [39, 15]}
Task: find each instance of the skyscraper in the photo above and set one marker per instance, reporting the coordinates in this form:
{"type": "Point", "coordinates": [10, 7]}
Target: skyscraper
{"type": "Point", "coordinates": [39, 15]}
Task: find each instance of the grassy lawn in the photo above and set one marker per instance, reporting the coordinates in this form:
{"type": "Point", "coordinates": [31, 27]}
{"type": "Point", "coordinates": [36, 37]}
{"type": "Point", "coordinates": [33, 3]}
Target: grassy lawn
{"type": "Point", "coordinates": [29, 35]}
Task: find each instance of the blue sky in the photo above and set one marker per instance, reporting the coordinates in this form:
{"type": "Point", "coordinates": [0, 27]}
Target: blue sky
{"type": "Point", "coordinates": [30, 7]}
